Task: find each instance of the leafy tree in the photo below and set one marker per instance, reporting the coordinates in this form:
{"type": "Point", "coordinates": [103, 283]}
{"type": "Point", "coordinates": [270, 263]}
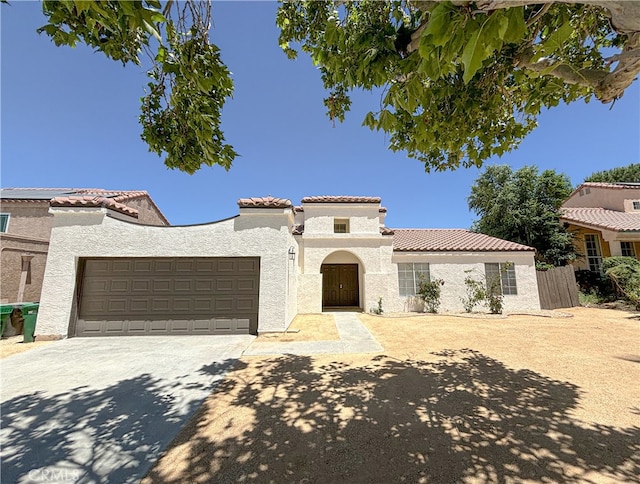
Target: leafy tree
{"type": "Point", "coordinates": [188, 83]}
{"type": "Point", "coordinates": [462, 81]}
{"type": "Point", "coordinates": [523, 206]}
{"type": "Point", "coordinates": [630, 173]}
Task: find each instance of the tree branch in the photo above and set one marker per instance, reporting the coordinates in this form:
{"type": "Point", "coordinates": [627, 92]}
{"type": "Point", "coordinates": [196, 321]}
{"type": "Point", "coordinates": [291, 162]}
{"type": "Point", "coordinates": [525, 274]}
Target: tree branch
{"type": "Point", "coordinates": [582, 77]}
{"type": "Point", "coordinates": [612, 87]}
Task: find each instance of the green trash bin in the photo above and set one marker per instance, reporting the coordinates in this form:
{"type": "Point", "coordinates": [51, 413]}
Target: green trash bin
{"type": "Point", "coordinates": [5, 310]}
{"type": "Point", "coordinates": [30, 314]}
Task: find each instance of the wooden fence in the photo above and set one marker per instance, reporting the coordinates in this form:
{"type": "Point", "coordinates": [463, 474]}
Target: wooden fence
{"type": "Point", "coordinates": [557, 288]}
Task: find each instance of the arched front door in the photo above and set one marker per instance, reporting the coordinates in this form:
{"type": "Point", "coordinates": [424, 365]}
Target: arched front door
{"type": "Point", "coordinates": [340, 285]}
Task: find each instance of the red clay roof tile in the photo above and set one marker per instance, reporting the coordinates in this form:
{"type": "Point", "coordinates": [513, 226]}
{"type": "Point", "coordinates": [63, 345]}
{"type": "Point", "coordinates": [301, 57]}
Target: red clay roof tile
{"type": "Point", "coordinates": [95, 201]}
{"type": "Point", "coordinates": [603, 218]}
{"type": "Point", "coordinates": [264, 202]}
{"type": "Point", "coordinates": [58, 194]}
{"type": "Point", "coordinates": [340, 199]}
{"type": "Point", "coordinates": [438, 240]}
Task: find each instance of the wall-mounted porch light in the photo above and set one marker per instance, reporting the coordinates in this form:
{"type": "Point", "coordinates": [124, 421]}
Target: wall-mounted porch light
{"type": "Point", "coordinates": [292, 253]}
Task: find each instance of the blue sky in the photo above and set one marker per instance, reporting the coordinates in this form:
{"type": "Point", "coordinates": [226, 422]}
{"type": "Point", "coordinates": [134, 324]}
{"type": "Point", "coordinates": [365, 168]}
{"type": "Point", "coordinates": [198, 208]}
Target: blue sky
{"type": "Point", "coordinates": [69, 119]}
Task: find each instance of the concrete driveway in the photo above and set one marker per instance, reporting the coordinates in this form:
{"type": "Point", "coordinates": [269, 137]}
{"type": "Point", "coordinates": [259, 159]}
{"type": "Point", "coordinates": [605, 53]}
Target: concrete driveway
{"type": "Point", "coordinates": [103, 409]}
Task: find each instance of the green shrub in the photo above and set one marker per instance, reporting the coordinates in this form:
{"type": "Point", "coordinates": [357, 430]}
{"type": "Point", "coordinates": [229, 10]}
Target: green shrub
{"type": "Point", "coordinates": [475, 293]}
{"type": "Point", "coordinates": [494, 295]}
{"type": "Point", "coordinates": [429, 292]}
{"type": "Point", "coordinates": [591, 282]}
{"type": "Point", "coordinates": [624, 273]}
{"type": "Point", "coordinates": [379, 309]}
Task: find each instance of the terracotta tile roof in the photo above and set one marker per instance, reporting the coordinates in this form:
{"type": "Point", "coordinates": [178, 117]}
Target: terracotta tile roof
{"type": "Point", "coordinates": [386, 231]}
{"type": "Point", "coordinates": [297, 229]}
{"type": "Point", "coordinates": [93, 201]}
{"type": "Point", "coordinates": [88, 197]}
{"type": "Point", "coordinates": [264, 202]}
{"type": "Point", "coordinates": [603, 218]}
{"type": "Point", "coordinates": [437, 240]}
{"type": "Point", "coordinates": [382, 210]}
{"type": "Point", "coordinates": [341, 199]}
{"type": "Point", "coordinates": [298, 209]}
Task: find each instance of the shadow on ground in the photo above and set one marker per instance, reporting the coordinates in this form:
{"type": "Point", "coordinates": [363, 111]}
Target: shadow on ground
{"type": "Point", "coordinates": [461, 417]}
{"type": "Point", "coordinates": [114, 434]}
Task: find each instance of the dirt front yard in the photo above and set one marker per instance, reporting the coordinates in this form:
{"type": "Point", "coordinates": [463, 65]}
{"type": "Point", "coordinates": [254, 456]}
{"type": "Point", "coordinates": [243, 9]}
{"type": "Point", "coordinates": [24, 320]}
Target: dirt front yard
{"type": "Point", "coordinates": [451, 399]}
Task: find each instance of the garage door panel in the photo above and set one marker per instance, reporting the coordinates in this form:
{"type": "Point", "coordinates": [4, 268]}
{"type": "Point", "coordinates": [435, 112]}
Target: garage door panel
{"type": "Point", "coordinates": [143, 266]}
{"type": "Point", "coordinates": [140, 285]}
{"type": "Point", "coordinates": [248, 266]}
{"type": "Point", "coordinates": [114, 326]}
{"type": "Point", "coordinates": [135, 327]}
{"type": "Point", "coordinates": [169, 296]}
{"type": "Point", "coordinates": [247, 285]}
{"type": "Point", "coordinates": [205, 266]}
{"type": "Point", "coordinates": [183, 285]}
{"type": "Point", "coordinates": [246, 305]}
{"type": "Point", "coordinates": [185, 265]}
{"type": "Point", "coordinates": [162, 285]}
{"type": "Point", "coordinates": [121, 266]}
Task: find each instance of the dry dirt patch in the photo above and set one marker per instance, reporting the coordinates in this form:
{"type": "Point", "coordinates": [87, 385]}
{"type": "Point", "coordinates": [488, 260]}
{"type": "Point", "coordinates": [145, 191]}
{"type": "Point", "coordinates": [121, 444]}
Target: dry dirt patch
{"type": "Point", "coordinates": [13, 345]}
{"type": "Point", "coordinates": [522, 399]}
{"type": "Point", "coordinates": [305, 327]}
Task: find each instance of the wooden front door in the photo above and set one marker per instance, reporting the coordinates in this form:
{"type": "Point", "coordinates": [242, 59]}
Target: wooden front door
{"type": "Point", "coordinates": [340, 285]}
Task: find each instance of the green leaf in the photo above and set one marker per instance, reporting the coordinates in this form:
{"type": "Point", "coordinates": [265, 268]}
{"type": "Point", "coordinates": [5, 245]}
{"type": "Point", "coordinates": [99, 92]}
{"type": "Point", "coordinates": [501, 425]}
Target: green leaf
{"type": "Point", "coordinates": [438, 25]}
{"type": "Point", "coordinates": [369, 120]}
{"type": "Point", "coordinates": [517, 27]}
{"type": "Point", "coordinates": [557, 39]}
{"type": "Point", "coordinates": [386, 120]}
{"type": "Point", "coordinates": [472, 56]}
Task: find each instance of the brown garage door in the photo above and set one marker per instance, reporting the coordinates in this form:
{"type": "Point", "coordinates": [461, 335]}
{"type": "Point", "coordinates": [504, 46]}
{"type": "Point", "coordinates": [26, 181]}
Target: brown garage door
{"type": "Point", "coordinates": [160, 296]}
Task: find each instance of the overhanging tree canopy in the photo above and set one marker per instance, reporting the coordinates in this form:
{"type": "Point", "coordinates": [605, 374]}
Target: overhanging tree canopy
{"type": "Point", "coordinates": [462, 80]}
{"type": "Point", "coordinates": [465, 80]}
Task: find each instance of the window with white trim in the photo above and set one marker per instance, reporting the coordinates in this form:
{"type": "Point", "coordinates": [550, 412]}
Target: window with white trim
{"type": "Point", "coordinates": [505, 272]}
{"type": "Point", "coordinates": [594, 254]}
{"type": "Point", "coordinates": [341, 226]}
{"type": "Point", "coordinates": [4, 222]}
{"type": "Point", "coordinates": [409, 277]}
{"type": "Point", "coordinates": [627, 249]}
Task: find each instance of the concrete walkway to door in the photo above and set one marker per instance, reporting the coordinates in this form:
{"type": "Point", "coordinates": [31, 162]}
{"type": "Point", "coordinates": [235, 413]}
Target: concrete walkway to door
{"type": "Point", "coordinates": [354, 338]}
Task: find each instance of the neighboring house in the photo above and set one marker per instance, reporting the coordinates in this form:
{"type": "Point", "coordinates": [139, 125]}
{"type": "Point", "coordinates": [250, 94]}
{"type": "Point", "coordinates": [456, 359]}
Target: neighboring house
{"type": "Point", "coordinates": [255, 271]}
{"type": "Point", "coordinates": [25, 228]}
{"type": "Point", "coordinates": [606, 220]}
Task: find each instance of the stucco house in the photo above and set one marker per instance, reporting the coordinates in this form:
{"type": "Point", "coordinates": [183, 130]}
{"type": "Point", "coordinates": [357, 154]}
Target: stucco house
{"type": "Point", "coordinates": [255, 271]}
{"type": "Point", "coordinates": [25, 228]}
{"type": "Point", "coordinates": [605, 217]}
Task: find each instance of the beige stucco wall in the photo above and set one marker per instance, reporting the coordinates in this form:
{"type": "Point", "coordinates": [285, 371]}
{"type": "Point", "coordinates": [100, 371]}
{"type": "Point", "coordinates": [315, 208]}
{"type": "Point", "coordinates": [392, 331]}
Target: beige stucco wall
{"type": "Point", "coordinates": [29, 219]}
{"type": "Point", "coordinates": [372, 254]}
{"type": "Point", "coordinates": [620, 199]}
{"type": "Point", "coordinates": [12, 250]}
{"type": "Point", "coordinates": [451, 268]}
{"type": "Point", "coordinates": [363, 218]}
{"type": "Point", "coordinates": [91, 233]}
{"type": "Point", "coordinates": [148, 213]}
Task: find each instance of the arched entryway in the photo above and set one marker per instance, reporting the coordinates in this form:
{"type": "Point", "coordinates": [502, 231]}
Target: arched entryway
{"type": "Point", "coordinates": [341, 281]}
